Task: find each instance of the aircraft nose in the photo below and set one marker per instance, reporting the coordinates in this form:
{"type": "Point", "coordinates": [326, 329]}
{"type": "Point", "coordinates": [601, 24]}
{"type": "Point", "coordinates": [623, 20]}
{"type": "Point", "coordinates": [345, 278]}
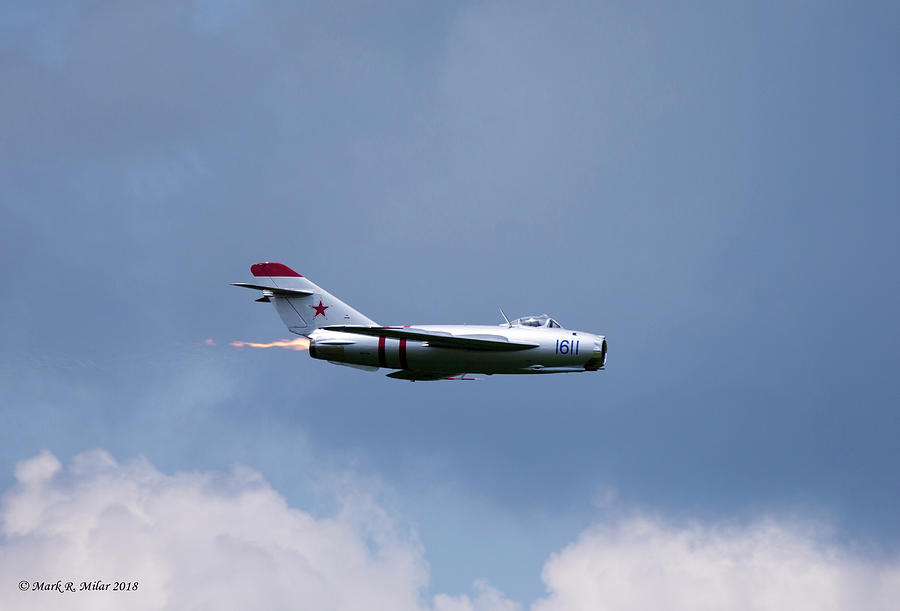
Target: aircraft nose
{"type": "Point", "coordinates": [598, 360]}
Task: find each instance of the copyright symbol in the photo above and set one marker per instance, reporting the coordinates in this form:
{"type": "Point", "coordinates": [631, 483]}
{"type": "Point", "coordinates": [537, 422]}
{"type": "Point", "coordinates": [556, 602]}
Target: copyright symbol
{"type": "Point", "coordinates": [23, 585]}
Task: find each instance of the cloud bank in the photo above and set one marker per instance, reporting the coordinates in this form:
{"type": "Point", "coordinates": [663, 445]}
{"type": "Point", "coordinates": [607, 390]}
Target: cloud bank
{"type": "Point", "coordinates": [229, 541]}
{"type": "Point", "coordinates": [195, 541]}
{"type": "Point", "coordinates": [642, 563]}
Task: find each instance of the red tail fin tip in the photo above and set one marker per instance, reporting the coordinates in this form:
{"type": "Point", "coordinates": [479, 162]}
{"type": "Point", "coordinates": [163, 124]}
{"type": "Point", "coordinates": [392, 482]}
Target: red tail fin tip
{"type": "Point", "coordinates": [278, 270]}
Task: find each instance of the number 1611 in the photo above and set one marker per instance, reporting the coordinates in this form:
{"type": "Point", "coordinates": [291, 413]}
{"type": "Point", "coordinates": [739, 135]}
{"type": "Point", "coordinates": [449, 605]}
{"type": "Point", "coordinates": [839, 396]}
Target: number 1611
{"type": "Point", "coordinates": [565, 346]}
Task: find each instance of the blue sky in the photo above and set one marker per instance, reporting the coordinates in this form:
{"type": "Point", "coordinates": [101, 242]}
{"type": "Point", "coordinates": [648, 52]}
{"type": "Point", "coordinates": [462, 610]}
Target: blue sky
{"type": "Point", "coordinates": [713, 188]}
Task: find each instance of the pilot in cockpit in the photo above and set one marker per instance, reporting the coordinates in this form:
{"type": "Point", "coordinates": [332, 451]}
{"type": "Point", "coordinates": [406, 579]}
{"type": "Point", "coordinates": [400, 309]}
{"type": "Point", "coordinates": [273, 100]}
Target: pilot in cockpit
{"type": "Point", "coordinates": [536, 321]}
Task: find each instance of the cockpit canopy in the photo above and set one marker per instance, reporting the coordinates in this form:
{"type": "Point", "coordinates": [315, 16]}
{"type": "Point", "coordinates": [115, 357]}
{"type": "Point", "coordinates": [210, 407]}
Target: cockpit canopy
{"type": "Point", "coordinates": [541, 320]}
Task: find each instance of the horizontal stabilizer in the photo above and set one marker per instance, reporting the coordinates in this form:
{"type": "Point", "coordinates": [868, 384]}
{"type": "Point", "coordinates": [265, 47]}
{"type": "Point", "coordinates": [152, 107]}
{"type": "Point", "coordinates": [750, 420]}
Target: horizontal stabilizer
{"type": "Point", "coordinates": [436, 338]}
{"type": "Point", "coordinates": [274, 289]}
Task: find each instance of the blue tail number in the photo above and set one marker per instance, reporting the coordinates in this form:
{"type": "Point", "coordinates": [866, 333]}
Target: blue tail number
{"type": "Point", "coordinates": [565, 346]}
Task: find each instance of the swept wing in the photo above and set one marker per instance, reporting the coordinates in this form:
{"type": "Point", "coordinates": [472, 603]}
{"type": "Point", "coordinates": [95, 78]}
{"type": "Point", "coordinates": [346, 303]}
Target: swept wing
{"type": "Point", "coordinates": [438, 339]}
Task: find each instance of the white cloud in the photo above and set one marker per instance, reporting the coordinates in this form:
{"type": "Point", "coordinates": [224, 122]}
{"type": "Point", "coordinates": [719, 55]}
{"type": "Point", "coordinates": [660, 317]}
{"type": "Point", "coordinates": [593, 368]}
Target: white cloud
{"type": "Point", "coordinates": [229, 541]}
{"type": "Point", "coordinates": [488, 599]}
{"type": "Point", "coordinates": [201, 541]}
{"type": "Point", "coordinates": [642, 563]}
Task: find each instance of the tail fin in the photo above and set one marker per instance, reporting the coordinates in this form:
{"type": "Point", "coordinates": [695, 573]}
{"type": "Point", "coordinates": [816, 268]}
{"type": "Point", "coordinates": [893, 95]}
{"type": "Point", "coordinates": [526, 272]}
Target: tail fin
{"type": "Point", "coordinates": [302, 305]}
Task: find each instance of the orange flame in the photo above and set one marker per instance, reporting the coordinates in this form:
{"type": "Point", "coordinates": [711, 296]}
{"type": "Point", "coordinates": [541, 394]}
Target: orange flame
{"type": "Point", "coordinates": [300, 343]}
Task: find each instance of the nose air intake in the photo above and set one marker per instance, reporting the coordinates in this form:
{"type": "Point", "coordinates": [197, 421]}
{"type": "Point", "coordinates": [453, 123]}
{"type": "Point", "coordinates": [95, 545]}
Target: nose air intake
{"type": "Point", "coordinates": [598, 361]}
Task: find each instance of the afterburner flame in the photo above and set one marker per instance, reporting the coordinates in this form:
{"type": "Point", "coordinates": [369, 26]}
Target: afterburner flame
{"type": "Point", "coordinates": [300, 343]}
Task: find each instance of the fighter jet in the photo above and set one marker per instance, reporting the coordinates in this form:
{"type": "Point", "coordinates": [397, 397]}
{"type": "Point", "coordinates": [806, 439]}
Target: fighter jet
{"type": "Point", "coordinates": [341, 335]}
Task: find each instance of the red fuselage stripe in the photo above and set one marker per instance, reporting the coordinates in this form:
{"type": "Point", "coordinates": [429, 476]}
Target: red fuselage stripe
{"type": "Point", "coordinates": [382, 361]}
{"type": "Point", "coordinates": [403, 363]}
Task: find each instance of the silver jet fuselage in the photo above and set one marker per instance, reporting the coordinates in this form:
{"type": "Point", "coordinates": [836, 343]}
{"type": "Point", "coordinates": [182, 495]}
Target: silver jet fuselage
{"type": "Point", "coordinates": [340, 334]}
{"type": "Point", "coordinates": [555, 350]}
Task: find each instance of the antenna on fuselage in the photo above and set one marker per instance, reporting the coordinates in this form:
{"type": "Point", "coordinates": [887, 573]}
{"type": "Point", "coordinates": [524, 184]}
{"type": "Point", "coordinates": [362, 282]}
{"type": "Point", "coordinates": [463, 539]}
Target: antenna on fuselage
{"type": "Point", "coordinates": [508, 324]}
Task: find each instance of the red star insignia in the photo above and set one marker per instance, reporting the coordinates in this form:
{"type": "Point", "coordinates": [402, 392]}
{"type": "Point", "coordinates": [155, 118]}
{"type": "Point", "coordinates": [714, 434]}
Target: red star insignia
{"type": "Point", "coordinates": [320, 309]}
